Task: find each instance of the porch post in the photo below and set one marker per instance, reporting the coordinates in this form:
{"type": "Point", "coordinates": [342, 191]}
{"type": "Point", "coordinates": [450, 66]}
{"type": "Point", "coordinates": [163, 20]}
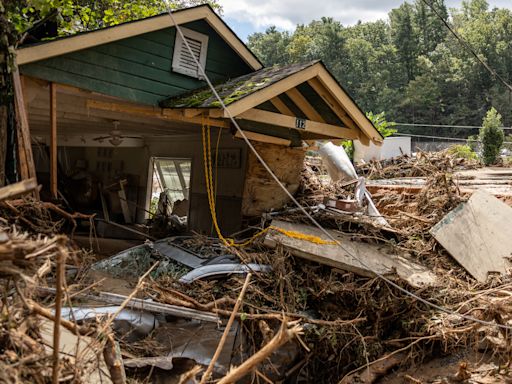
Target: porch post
{"type": "Point", "coordinates": [53, 141]}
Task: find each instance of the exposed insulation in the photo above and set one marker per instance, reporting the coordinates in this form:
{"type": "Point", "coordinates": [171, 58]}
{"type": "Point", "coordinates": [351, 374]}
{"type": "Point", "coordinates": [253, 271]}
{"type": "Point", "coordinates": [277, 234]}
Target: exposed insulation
{"type": "Point", "coordinates": [261, 192]}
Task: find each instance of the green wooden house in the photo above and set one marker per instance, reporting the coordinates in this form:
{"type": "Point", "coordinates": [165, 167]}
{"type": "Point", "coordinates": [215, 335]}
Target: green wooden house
{"type": "Point", "coordinates": [119, 115]}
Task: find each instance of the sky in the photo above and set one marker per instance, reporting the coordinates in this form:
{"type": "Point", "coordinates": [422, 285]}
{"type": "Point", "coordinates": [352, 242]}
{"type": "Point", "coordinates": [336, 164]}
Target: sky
{"type": "Point", "coordinates": [249, 16]}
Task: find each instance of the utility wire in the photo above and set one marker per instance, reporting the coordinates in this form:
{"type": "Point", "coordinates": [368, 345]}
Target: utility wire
{"type": "Point", "coordinates": [442, 137]}
{"type": "Point", "coordinates": [301, 208]}
{"type": "Point", "coordinates": [466, 45]}
{"type": "Point", "coordinates": [444, 126]}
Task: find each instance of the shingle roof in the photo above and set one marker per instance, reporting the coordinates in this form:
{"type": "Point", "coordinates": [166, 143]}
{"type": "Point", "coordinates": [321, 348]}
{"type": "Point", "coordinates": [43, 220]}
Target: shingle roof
{"type": "Point", "coordinates": [234, 89]}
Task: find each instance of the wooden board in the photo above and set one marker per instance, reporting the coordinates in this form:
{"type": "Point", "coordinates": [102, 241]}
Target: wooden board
{"type": "Point", "coordinates": [136, 68]}
{"type": "Point", "coordinates": [18, 189]}
{"type": "Point", "coordinates": [28, 169]}
{"type": "Point", "coordinates": [261, 192]}
{"type": "Point", "coordinates": [477, 235]}
{"type": "Point", "coordinates": [354, 256]}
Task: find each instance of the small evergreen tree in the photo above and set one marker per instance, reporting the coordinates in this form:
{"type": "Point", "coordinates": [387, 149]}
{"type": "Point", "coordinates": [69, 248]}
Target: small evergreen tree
{"type": "Point", "coordinates": [491, 136]}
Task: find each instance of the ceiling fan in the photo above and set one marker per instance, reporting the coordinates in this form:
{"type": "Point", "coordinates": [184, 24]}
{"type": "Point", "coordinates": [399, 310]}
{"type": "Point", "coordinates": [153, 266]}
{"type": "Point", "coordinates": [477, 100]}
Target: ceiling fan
{"type": "Point", "coordinates": [115, 137]}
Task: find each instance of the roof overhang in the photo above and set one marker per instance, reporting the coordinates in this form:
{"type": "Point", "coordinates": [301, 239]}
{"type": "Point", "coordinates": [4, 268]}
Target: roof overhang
{"type": "Point", "coordinates": [353, 123]}
{"type": "Point", "coordinates": [61, 46]}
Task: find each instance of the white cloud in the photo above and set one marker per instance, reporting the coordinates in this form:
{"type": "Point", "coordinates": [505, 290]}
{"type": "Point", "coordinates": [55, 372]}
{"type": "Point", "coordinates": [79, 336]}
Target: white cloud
{"type": "Point", "coordinates": [286, 14]}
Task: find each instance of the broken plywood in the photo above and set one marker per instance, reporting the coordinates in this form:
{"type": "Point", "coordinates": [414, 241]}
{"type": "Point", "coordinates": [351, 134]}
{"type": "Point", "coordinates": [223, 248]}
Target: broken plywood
{"type": "Point", "coordinates": [354, 256]}
{"type": "Point", "coordinates": [261, 192]}
{"type": "Point", "coordinates": [477, 235]}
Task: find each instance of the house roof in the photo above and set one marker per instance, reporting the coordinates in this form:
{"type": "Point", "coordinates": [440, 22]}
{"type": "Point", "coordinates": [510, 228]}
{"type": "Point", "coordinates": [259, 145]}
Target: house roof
{"type": "Point", "coordinates": [60, 46]}
{"type": "Point", "coordinates": [308, 89]}
{"type": "Point", "coordinates": [234, 89]}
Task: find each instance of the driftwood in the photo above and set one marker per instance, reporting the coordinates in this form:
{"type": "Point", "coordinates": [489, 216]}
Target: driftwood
{"type": "Point", "coordinates": [287, 332]}
{"type": "Point", "coordinates": [18, 189]}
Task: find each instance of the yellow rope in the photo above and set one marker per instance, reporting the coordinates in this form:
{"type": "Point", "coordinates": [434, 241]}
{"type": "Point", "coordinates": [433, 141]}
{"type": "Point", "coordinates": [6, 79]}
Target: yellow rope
{"type": "Point", "coordinates": [210, 191]}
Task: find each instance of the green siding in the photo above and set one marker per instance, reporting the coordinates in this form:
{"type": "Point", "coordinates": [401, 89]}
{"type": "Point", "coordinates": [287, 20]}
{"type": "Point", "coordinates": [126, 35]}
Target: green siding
{"type": "Point", "coordinates": [139, 68]}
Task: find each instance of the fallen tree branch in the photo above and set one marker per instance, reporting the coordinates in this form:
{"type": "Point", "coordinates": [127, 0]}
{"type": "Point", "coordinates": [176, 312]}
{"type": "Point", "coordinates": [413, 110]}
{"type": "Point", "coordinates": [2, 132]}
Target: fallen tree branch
{"type": "Point", "coordinates": [284, 335]}
{"type": "Point", "coordinates": [222, 341]}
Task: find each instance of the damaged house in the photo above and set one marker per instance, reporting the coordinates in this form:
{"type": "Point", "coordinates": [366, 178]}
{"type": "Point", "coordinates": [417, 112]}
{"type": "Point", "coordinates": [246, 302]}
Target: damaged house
{"type": "Point", "coordinates": [121, 121]}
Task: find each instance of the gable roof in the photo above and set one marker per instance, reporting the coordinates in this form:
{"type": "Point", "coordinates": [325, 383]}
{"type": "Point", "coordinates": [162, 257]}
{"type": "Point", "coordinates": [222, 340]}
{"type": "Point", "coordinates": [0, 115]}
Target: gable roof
{"type": "Point", "coordinates": [83, 40]}
{"type": "Point", "coordinates": [245, 97]}
{"type": "Point", "coordinates": [235, 89]}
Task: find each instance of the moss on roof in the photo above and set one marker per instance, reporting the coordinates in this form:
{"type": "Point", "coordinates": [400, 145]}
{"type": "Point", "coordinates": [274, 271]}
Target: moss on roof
{"type": "Point", "coordinates": [234, 89]}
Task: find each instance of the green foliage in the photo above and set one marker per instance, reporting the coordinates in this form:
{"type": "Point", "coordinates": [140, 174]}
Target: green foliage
{"type": "Point", "coordinates": [383, 126]}
{"type": "Point", "coordinates": [410, 66]}
{"type": "Point", "coordinates": [473, 143]}
{"type": "Point", "coordinates": [348, 146]}
{"type": "Point", "coordinates": [492, 136]}
{"type": "Point", "coordinates": [80, 15]}
{"type": "Point", "coordinates": [463, 151]}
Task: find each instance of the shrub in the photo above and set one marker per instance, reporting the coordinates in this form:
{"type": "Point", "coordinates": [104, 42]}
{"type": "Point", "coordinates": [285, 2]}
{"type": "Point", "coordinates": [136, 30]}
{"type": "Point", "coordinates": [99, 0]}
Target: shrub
{"type": "Point", "coordinates": [383, 126]}
{"type": "Point", "coordinates": [491, 136]}
{"type": "Point", "coordinates": [462, 151]}
{"type": "Point", "coordinates": [474, 143]}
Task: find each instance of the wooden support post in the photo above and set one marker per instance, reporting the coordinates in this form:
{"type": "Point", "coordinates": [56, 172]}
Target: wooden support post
{"type": "Point", "coordinates": [25, 156]}
{"type": "Point", "coordinates": [53, 141]}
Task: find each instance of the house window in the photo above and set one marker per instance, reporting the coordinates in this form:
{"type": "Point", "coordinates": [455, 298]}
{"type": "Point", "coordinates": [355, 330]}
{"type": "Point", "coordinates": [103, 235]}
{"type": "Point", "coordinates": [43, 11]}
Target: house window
{"type": "Point", "coordinates": [169, 185]}
{"type": "Point", "coordinates": [182, 61]}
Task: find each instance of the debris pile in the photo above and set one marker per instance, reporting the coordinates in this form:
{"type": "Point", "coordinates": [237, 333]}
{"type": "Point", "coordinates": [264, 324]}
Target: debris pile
{"type": "Point", "coordinates": [27, 325]}
{"type": "Point", "coordinates": [295, 304]}
{"type": "Point", "coordinates": [421, 164]}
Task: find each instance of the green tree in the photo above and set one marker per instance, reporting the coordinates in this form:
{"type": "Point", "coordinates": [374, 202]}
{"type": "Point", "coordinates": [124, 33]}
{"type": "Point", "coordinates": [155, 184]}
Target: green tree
{"type": "Point", "coordinates": [431, 29]}
{"type": "Point", "coordinates": [383, 126]}
{"type": "Point", "coordinates": [80, 15]}
{"type": "Point", "coordinates": [491, 136]}
{"type": "Point", "coordinates": [271, 47]}
{"type": "Point", "coordinates": [405, 37]}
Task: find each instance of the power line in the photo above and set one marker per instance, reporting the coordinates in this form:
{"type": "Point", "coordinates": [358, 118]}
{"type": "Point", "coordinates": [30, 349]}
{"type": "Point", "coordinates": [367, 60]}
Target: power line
{"type": "Point", "coordinates": [443, 137]}
{"type": "Point", "coordinates": [466, 45]}
{"type": "Point", "coordinates": [301, 208]}
{"type": "Point", "coordinates": [445, 126]}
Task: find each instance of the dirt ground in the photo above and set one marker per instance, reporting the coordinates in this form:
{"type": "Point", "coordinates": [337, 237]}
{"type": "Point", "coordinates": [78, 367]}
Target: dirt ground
{"type": "Point", "coordinates": [465, 367]}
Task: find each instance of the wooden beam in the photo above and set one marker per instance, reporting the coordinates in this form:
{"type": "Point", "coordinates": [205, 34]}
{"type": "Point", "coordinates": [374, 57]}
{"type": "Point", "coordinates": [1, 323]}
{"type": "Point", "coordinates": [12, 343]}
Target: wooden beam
{"type": "Point", "coordinates": [192, 112]}
{"type": "Point", "coordinates": [323, 129]}
{"type": "Point", "coordinates": [28, 168]}
{"type": "Point", "coordinates": [324, 93]}
{"type": "Point", "coordinates": [177, 115]}
{"type": "Point", "coordinates": [17, 189]}
{"type": "Point", "coordinates": [271, 91]}
{"type": "Point", "coordinates": [53, 141]}
{"type": "Point", "coordinates": [281, 106]}
{"type": "Point", "coordinates": [365, 140]}
{"type": "Point", "coordinates": [304, 105]}
{"type": "Point", "coordinates": [254, 136]}
{"type": "Point", "coordinates": [154, 112]}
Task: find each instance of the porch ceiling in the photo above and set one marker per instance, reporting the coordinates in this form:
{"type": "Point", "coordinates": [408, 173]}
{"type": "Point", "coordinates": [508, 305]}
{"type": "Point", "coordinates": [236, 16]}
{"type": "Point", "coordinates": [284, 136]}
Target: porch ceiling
{"type": "Point", "coordinates": [81, 112]}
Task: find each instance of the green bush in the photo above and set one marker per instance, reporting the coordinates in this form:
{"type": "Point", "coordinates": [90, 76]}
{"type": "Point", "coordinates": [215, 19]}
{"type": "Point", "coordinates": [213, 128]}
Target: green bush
{"type": "Point", "coordinates": [491, 136]}
{"type": "Point", "coordinates": [462, 151]}
{"type": "Point", "coordinates": [383, 126]}
{"type": "Point", "coordinates": [474, 143]}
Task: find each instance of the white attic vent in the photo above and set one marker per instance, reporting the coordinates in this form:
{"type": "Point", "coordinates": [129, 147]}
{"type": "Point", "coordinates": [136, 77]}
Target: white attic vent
{"type": "Point", "coordinates": [182, 61]}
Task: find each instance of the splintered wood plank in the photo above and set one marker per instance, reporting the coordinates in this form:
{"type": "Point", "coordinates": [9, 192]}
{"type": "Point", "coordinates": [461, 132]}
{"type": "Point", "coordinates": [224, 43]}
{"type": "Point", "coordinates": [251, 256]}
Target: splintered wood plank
{"type": "Point", "coordinates": [477, 235]}
{"type": "Point", "coordinates": [353, 256]}
{"type": "Point", "coordinates": [17, 189]}
{"type": "Point", "coordinates": [28, 169]}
